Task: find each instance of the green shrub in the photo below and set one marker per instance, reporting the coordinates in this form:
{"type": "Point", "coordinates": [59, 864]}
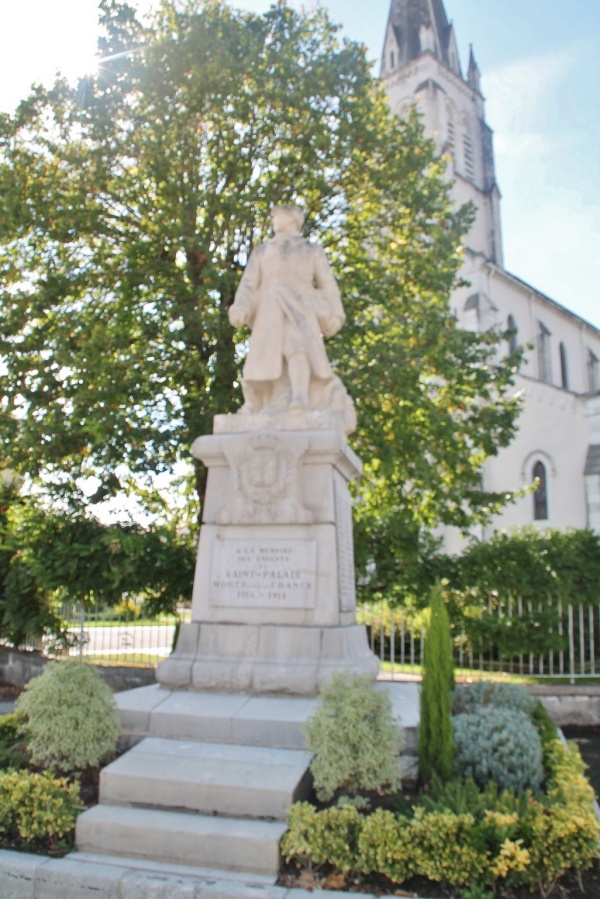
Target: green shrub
{"type": "Point", "coordinates": [9, 727]}
{"type": "Point", "coordinates": [436, 748]}
{"type": "Point", "coordinates": [326, 837]}
{"type": "Point", "coordinates": [567, 783]}
{"type": "Point", "coordinates": [546, 727]}
{"type": "Point", "coordinates": [475, 840]}
{"type": "Point", "coordinates": [463, 797]}
{"type": "Point", "coordinates": [446, 847]}
{"type": "Point", "coordinates": [338, 836]}
{"type": "Point", "coordinates": [355, 740]}
{"type": "Point", "coordinates": [495, 830]}
{"type": "Point", "coordinates": [384, 846]}
{"type": "Point", "coordinates": [563, 825]}
{"type": "Point", "coordinates": [71, 721]}
{"type": "Point", "coordinates": [36, 806]}
{"type": "Point", "coordinates": [299, 842]}
{"type": "Point", "coordinates": [470, 697]}
{"type": "Point", "coordinates": [501, 745]}
{"type": "Point", "coordinates": [12, 751]}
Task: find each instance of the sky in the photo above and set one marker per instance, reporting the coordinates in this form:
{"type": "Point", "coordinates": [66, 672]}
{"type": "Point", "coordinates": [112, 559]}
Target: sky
{"type": "Point", "coordinates": [540, 65]}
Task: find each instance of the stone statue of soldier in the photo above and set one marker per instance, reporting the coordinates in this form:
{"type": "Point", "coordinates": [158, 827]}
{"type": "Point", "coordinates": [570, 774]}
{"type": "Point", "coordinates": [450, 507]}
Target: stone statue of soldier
{"type": "Point", "coordinates": [290, 300]}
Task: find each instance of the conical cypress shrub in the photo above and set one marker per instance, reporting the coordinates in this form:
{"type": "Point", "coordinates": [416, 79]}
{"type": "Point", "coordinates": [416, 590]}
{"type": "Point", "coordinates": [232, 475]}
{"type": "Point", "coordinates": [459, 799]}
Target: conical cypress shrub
{"type": "Point", "coordinates": [436, 747]}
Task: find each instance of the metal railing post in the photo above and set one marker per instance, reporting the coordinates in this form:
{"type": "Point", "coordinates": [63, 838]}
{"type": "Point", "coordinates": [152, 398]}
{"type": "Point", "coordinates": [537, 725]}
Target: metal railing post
{"type": "Point", "coordinates": [81, 629]}
{"type": "Point", "coordinates": [571, 646]}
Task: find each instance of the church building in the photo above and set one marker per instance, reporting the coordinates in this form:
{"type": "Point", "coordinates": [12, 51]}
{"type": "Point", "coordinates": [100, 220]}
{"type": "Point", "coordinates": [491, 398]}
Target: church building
{"type": "Point", "coordinates": [558, 441]}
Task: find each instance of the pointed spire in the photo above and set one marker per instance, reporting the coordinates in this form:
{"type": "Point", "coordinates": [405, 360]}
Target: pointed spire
{"type": "Point", "coordinates": [473, 73]}
{"type": "Point", "coordinates": [416, 27]}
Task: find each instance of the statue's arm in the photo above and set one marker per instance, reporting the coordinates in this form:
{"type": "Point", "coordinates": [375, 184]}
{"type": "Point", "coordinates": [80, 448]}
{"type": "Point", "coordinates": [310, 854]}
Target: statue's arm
{"type": "Point", "coordinates": [243, 308]}
{"type": "Point", "coordinates": [331, 313]}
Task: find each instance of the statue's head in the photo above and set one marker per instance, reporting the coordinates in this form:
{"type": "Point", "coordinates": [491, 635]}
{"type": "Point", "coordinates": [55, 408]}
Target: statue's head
{"type": "Point", "coordinates": [287, 218]}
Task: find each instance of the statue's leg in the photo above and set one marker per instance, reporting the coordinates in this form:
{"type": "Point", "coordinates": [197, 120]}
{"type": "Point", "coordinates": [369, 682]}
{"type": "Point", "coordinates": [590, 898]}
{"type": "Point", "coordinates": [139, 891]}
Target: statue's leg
{"type": "Point", "coordinates": [299, 375]}
{"type": "Point", "coordinates": [256, 395]}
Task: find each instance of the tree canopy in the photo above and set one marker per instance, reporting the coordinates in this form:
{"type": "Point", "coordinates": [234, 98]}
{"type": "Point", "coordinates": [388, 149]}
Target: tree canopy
{"type": "Point", "coordinates": [128, 208]}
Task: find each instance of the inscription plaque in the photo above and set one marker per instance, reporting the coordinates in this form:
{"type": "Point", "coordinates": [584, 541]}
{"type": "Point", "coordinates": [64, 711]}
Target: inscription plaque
{"type": "Point", "coordinates": [264, 573]}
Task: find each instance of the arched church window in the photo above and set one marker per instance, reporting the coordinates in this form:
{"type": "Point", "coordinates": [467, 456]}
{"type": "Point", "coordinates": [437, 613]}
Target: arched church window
{"type": "Point", "coordinates": [392, 59]}
{"type": "Point", "coordinates": [513, 337]}
{"type": "Point", "coordinates": [544, 354]}
{"type": "Point", "coordinates": [593, 369]}
{"type": "Point", "coordinates": [564, 370]}
{"type": "Point", "coordinates": [540, 497]}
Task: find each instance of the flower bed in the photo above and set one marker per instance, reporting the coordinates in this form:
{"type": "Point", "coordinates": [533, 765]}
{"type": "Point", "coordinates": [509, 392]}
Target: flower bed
{"type": "Point", "coordinates": [476, 838]}
{"type": "Point", "coordinates": [495, 838]}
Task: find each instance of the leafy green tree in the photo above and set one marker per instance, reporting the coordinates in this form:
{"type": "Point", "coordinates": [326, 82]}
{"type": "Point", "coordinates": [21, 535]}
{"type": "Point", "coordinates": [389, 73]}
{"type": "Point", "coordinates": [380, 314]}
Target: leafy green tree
{"type": "Point", "coordinates": [509, 597]}
{"type": "Point", "coordinates": [436, 749]}
{"type": "Point", "coordinates": [26, 610]}
{"type": "Point", "coordinates": [49, 556]}
{"type": "Point", "coordinates": [532, 564]}
{"type": "Point", "coordinates": [128, 209]}
{"type": "Point", "coordinates": [74, 557]}
{"type": "Point", "coordinates": [5, 553]}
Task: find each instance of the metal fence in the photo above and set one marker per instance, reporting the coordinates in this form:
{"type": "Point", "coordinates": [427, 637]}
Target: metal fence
{"type": "Point", "coordinates": [109, 637]}
{"type": "Point", "coordinates": [547, 639]}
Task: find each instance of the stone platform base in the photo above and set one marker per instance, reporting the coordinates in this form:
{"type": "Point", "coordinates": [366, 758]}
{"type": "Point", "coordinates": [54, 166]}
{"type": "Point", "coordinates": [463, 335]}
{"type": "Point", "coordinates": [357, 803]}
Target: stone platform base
{"type": "Point", "coordinates": [83, 875]}
{"type": "Point", "coordinates": [240, 758]}
{"type": "Point", "coordinates": [260, 658]}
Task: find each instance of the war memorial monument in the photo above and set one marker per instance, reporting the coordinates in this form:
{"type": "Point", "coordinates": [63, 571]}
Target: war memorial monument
{"type": "Point", "coordinates": [218, 754]}
{"type": "Point", "coordinates": [274, 604]}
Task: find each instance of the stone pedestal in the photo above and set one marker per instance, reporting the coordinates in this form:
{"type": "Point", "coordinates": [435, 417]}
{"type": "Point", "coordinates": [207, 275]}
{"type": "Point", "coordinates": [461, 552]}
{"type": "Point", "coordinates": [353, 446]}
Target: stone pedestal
{"type": "Point", "coordinates": [274, 602]}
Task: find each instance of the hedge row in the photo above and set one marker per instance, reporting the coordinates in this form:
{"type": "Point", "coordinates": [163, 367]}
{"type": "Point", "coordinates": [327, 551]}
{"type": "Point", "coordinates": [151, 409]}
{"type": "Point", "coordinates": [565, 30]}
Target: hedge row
{"type": "Point", "coordinates": [477, 839]}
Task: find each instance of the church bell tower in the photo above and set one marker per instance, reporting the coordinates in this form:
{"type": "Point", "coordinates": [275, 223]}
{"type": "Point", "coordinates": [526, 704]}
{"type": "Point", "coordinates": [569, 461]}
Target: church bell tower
{"type": "Point", "coordinates": [420, 64]}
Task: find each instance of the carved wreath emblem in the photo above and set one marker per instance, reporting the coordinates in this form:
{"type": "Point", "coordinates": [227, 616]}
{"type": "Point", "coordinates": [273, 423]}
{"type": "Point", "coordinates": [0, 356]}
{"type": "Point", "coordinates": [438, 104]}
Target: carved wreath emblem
{"type": "Point", "coordinates": [263, 470]}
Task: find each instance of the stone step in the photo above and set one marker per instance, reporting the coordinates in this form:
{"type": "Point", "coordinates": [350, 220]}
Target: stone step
{"type": "Point", "coordinates": [227, 779]}
{"type": "Point", "coordinates": [241, 718]}
{"type": "Point", "coordinates": [182, 838]}
{"type": "Point", "coordinates": [215, 717]}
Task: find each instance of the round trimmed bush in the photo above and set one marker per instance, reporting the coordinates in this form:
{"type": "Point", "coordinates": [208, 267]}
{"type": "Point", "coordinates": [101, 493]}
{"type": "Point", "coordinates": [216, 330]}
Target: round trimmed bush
{"type": "Point", "coordinates": [71, 721]}
{"type": "Point", "coordinates": [498, 744]}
